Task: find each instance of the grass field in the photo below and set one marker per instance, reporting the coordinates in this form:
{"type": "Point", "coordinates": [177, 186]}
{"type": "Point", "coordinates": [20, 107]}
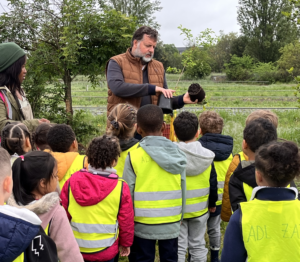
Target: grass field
{"type": "Point", "coordinates": [218, 95]}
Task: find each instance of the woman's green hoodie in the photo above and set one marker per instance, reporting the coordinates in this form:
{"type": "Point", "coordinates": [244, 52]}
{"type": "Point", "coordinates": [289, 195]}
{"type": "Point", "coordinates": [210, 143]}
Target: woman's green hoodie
{"type": "Point", "coordinates": [16, 113]}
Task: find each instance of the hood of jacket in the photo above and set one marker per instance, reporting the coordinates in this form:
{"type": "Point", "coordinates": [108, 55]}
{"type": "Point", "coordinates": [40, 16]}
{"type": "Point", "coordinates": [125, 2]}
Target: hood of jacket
{"type": "Point", "coordinates": [221, 145]}
{"type": "Point", "coordinates": [165, 153]}
{"type": "Point", "coordinates": [40, 206]}
{"type": "Point", "coordinates": [18, 228]}
{"type": "Point", "coordinates": [245, 172]}
{"type": "Point", "coordinates": [89, 188]}
{"type": "Point", "coordinates": [198, 157]}
{"type": "Point", "coordinates": [128, 143]}
{"type": "Point", "coordinates": [64, 161]}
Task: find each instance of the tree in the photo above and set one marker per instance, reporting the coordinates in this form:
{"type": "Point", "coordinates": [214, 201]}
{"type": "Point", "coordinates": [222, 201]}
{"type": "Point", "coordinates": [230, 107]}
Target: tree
{"type": "Point", "coordinates": [239, 45]}
{"type": "Point", "coordinates": [239, 68]}
{"type": "Point", "coordinates": [65, 38]}
{"type": "Point", "coordinates": [221, 52]}
{"type": "Point", "coordinates": [143, 10]}
{"type": "Point", "coordinates": [265, 27]}
{"type": "Point", "coordinates": [168, 55]}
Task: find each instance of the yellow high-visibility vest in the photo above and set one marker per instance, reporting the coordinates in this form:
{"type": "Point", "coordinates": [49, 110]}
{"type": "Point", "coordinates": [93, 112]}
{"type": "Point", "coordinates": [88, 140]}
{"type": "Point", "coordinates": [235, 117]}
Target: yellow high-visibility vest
{"type": "Point", "coordinates": [221, 168]}
{"type": "Point", "coordinates": [96, 227]}
{"type": "Point", "coordinates": [121, 161]}
{"type": "Point", "coordinates": [197, 193]}
{"type": "Point", "coordinates": [77, 165]}
{"type": "Point", "coordinates": [271, 230]}
{"type": "Point", "coordinates": [157, 193]}
{"type": "Point", "coordinates": [21, 258]}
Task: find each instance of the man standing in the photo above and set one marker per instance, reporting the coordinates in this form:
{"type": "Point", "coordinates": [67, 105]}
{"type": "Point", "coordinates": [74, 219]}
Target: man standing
{"type": "Point", "coordinates": [135, 78]}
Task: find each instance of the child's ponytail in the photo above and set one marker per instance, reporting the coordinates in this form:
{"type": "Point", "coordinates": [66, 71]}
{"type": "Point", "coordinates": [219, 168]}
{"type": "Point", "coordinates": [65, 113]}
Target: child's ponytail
{"type": "Point", "coordinates": [121, 121]}
{"type": "Point", "coordinates": [28, 171]}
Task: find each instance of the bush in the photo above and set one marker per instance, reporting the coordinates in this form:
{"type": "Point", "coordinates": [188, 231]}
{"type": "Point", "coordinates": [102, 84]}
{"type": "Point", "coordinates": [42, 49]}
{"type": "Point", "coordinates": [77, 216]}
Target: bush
{"type": "Point", "coordinates": [173, 70]}
{"type": "Point", "coordinates": [239, 68]}
{"type": "Point", "coordinates": [196, 62]}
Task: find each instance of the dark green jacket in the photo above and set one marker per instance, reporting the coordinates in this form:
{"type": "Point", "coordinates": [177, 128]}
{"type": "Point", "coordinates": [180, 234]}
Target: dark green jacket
{"type": "Point", "coordinates": [16, 113]}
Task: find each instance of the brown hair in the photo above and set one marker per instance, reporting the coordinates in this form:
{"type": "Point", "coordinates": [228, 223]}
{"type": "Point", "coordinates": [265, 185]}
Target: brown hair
{"type": "Point", "coordinates": [102, 151]}
{"type": "Point", "coordinates": [121, 121]}
{"type": "Point", "coordinates": [279, 162]}
{"type": "Point", "coordinates": [13, 138]}
{"type": "Point", "coordinates": [211, 122]}
{"type": "Point", "coordinates": [40, 136]}
{"type": "Point", "coordinates": [144, 30]}
{"type": "Point", "coordinates": [5, 164]}
{"type": "Point", "coordinates": [266, 114]}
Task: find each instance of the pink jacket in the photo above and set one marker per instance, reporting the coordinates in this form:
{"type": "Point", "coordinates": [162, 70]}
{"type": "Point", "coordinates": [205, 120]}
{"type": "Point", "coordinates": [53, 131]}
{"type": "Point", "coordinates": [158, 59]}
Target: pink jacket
{"type": "Point", "coordinates": [89, 189]}
{"type": "Point", "coordinates": [48, 209]}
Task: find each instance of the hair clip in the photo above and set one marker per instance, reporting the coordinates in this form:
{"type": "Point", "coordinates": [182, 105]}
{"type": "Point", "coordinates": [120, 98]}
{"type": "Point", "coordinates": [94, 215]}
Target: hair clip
{"type": "Point", "coordinates": [115, 124]}
{"type": "Point", "coordinates": [22, 157]}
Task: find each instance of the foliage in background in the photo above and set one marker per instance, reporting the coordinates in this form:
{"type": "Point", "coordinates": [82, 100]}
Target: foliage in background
{"type": "Point", "coordinates": [195, 59]}
{"type": "Point", "coordinates": [168, 55]}
{"type": "Point", "coordinates": [266, 28]}
{"type": "Point", "coordinates": [238, 69]}
{"type": "Point", "coordinates": [143, 10]}
{"type": "Point", "coordinates": [65, 38]}
{"type": "Point", "coordinates": [173, 70]}
{"type": "Point", "coordinates": [221, 52]}
{"type": "Point", "coordinates": [265, 72]}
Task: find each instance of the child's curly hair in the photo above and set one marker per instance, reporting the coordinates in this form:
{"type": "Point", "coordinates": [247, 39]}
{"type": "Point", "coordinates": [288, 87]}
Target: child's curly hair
{"type": "Point", "coordinates": [279, 162]}
{"type": "Point", "coordinates": [102, 151]}
{"type": "Point", "coordinates": [211, 122]}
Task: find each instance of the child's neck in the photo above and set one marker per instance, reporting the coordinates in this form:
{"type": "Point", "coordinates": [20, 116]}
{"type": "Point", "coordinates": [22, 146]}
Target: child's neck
{"type": "Point", "coordinates": [250, 155]}
{"type": "Point", "coordinates": [190, 141]}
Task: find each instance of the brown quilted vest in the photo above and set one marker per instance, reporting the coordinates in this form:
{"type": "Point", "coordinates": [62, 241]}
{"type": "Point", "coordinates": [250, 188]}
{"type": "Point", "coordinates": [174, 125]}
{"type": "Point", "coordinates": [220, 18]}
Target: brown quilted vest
{"type": "Point", "coordinates": [132, 72]}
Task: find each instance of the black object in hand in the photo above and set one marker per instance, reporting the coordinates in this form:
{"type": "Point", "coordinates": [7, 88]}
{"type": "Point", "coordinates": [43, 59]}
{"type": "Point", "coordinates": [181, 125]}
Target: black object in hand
{"type": "Point", "coordinates": [196, 92]}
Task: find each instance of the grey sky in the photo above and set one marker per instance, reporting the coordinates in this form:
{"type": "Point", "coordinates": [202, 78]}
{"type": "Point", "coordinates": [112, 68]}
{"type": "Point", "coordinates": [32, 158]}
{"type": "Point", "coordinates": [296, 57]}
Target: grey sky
{"type": "Point", "coordinates": [196, 15]}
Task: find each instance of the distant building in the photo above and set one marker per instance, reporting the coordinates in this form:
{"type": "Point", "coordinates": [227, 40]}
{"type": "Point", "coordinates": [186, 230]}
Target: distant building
{"type": "Point", "coordinates": [181, 49]}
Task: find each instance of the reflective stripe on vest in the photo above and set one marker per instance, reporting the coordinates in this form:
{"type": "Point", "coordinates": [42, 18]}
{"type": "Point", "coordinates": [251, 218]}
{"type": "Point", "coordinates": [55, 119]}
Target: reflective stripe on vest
{"type": "Point", "coordinates": [90, 235]}
{"type": "Point", "coordinates": [271, 230]}
{"type": "Point", "coordinates": [157, 193]}
{"type": "Point", "coordinates": [77, 165]}
{"type": "Point", "coordinates": [121, 161]}
{"type": "Point", "coordinates": [221, 168]}
{"type": "Point", "coordinates": [197, 193]}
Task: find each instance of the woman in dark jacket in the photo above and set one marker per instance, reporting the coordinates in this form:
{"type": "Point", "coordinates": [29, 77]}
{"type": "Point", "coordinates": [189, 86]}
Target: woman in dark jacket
{"type": "Point", "coordinates": [14, 105]}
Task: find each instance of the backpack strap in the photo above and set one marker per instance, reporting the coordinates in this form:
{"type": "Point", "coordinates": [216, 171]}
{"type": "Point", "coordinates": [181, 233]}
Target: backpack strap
{"type": "Point", "coordinates": [7, 104]}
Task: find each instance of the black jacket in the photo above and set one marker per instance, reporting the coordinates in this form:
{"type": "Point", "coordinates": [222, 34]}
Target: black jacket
{"type": "Point", "coordinates": [242, 175]}
{"type": "Point", "coordinates": [222, 146]}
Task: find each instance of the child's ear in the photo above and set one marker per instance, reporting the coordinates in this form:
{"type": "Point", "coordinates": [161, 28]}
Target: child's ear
{"type": "Point", "coordinates": [244, 144]}
{"type": "Point", "coordinates": [27, 144]}
{"type": "Point", "coordinates": [163, 127]}
{"type": "Point", "coordinates": [258, 177]}
{"type": "Point", "coordinates": [8, 184]}
{"type": "Point", "coordinates": [200, 131]}
{"type": "Point", "coordinates": [74, 146]}
{"type": "Point", "coordinates": [139, 130]}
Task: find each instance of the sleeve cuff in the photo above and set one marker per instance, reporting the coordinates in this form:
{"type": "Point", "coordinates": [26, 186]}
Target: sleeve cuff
{"type": "Point", "coordinates": [151, 90]}
{"type": "Point", "coordinates": [180, 101]}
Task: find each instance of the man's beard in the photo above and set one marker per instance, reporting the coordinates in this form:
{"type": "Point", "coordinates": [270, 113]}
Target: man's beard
{"type": "Point", "coordinates": [138, 53]}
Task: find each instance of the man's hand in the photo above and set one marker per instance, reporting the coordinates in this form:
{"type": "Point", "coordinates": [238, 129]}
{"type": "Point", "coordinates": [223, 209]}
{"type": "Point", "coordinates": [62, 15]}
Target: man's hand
{"type": "Point", "coordinates": [124, 251]}
{"type": "Point", "coordinates": [168, 93]}
{"type": "Point", "coordinates": [187, 99]}
{"type": "Point", "coordinates": [212, 209]}
{"type": "Point", "coordinates": [43, 120]}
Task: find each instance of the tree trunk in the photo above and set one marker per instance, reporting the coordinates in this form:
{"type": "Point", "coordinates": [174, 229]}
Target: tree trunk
{"type": "Point", "coordinates": [68, 93]}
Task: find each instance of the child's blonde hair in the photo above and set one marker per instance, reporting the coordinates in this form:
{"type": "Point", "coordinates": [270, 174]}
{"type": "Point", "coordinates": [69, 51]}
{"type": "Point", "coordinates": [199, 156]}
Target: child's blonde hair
{"type": "Point", "coordinates": [263, 113]}
{"type": "Point", "coordinates": [211, 122]}
{"type": "Point", "coordinates": [121, 121]}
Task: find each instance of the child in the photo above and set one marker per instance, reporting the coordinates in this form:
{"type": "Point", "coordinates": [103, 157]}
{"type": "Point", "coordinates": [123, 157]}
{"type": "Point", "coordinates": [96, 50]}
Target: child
{"type": "Point", "coordinates": [155, 173]}
{"type": "Point", "coordinates": [122, 124]}
{"type": "Point", "coordinates": [99, 205]}
{"type": "Point", "coordinates": [266, 228]}
{"type": "Point", "coordinates": [40, 136]}
{"type": "Point", "coordinates": [16, 139]}
{"type": "Point", "coordinates": [19, 227]}
{"type": "Point", "coordinates": [201, 188]}
{"type": "Point", "coordinates": [64, 146]}
{"type": "Point", "coordinates": [257, 133]}
{"type": "Point", "coordinates": [211, 126]}
{"type": "Point", "coordinates": [226, 207]}
{"type": "Point", "coordinates": [35, 183]}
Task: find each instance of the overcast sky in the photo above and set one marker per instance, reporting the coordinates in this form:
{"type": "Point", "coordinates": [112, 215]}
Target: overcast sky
{"type": "Point", "coordinates": [193, 14]}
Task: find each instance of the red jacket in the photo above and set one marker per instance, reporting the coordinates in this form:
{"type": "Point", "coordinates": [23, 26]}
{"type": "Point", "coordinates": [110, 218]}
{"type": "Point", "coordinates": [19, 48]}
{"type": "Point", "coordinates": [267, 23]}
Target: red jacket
{"type": "Point", "coordinates": [89, 189]}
